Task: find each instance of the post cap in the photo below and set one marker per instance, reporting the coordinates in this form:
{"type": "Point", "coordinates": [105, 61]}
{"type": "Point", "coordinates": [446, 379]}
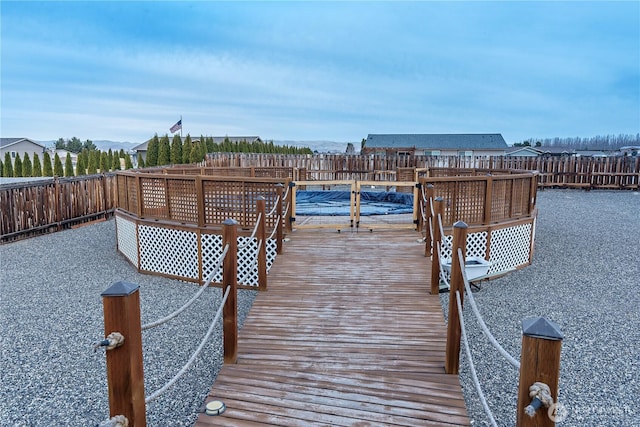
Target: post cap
{"type": "Point", "coordinates": [460, 224]}
{"type": "Point", "coordinates": [260, 198]}
{"type": "Point", "coordinates": [230, 221]}
{"type": "Point", "coordinates": [439, 199]}
{"type": "Point", "coordinates": [429, 185]}
{"type": "Point", "coordinates": [539, 327]}
{"type": "Point", "coordinates": [120, 289]}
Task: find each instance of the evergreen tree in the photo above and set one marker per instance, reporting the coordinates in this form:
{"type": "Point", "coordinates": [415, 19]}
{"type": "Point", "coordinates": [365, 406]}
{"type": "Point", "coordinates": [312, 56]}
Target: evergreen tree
{"type": "Point", "coordinates": [195, 154]}
{"type": "Point", "coordinates": [37, 166]}
{"type": "Point", "coordinates": [211, 146]}
{"type": "Point", "coordinates": [81, 165]}
{"type": "Point", "coordinates": [186, 149]}
{"type": "Point", "coordinates": [47, 170]}
{"type": "Point", "coordinates": [152, 151]}
{"type": "Point", "coordinates": [115, 162]}
{"type": "Point", "coordinates": [140, 161]}
{"type": "Point", "coordinates": [164, 151]}
{"type": "Point", "coordinates": [110, 159]}
{"type": "Point", "coordinates": [8, 167]}
{"type": "Point", "coordinates": [127, 162]}
{"type": "Point", "coordinates": [203, 149]}
{"type": "Point", "coordinates": [27, 169]}
{"type": "Point", "coordinates": [1, 168]}
{"type": "Point", "coordinates": [17, 166]}
{"type": "Point", "coordinates": [57, 166]}
{"type": "Point", "coordinates": [92, 166]}
{"type": "Point", "coordinates": [68, 166]}
{"type": "Point", "coordinates": [104, 162]}
{"type": "Point", "coordinates": [176, 150]}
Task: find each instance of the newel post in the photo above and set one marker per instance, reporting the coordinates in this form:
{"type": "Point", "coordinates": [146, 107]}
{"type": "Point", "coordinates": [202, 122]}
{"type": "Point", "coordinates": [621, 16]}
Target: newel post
{"type": "Point", "coordinates": [438, 210]}
{"type": "Point", "coordinates": [261, 236]}
{"type": "Point", "coordinates": [539, 362]}
{"type": "Point", "coordinates": [125, 379]}
{"type": "Point", "coordinates": [452, 360]}
{"type": "Point", "coordinates": [230, 278]}
{"type": "Point", "coordinates": [279, 213]}
{"type": "Point", "coordinates": [430, 220]}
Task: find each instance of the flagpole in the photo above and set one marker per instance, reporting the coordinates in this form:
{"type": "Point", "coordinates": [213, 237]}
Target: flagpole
{"type": "Point", "coordinates": [181, 126]}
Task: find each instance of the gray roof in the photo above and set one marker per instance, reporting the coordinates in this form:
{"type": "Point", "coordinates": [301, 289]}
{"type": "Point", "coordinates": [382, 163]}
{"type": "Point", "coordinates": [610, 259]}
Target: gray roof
{"type": "Point", "coordinates": [435, 141]}
{"type": "Point", "coordinates": [5, 142]}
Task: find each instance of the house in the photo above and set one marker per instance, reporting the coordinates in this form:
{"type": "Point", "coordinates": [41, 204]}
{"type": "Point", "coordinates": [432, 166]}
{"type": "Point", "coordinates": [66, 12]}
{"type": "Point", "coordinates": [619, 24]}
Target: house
{"type": "Point", "coordinates": [20, 146]}
{"type": "Point", "coordinates": [141, 150]}
{"type": "Point", "coordinates": [477, 144]}
{"type": "Point", "coordinates": [524, 152]}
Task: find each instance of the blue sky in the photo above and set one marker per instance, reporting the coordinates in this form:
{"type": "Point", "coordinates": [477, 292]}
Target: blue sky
{"type": "Point", "coordinates": [319, 70]}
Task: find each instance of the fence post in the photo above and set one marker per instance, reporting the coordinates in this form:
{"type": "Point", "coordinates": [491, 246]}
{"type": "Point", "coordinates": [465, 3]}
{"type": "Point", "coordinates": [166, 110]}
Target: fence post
{"type": "Point", "coordinates": [452, 361]}
{"type": "Point", "coordinates": [539, 362]}
{"type": "Point", "coordinates": [121, 305]}
{"type": "Point", "coordinates": [279, 214]}
{"type": "Point", "coordinates": [290, 219]}
{"type": "Point", "coordinates": [261, 236]}
{"type": "Point", "coordinates": [230, 278]}
{"type": "Point", "coordinates": [438, 210]}
{"type": "Point", "coordinates": [430, 220]}
{"type": "Point", "coordinates": [419, 203]}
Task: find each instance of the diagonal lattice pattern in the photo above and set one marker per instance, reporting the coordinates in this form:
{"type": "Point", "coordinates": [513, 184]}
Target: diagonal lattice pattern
{"type": "Point", "coordinates": [168, 251]}
{"type": "Point", "coordinates": [127, 239]}
{"type": "Point", "coordinates": [211, 251]}
{"type": "Point", "coordinates": [510, 247]}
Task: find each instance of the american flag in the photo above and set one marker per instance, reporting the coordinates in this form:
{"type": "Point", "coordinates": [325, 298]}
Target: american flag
{"type": "Point", "coordinates": [176, 127]}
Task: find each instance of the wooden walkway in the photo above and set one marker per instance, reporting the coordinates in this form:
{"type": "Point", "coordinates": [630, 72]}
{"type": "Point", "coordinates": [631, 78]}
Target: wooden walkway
{"type": "Point", "coordinates": [346, 335]}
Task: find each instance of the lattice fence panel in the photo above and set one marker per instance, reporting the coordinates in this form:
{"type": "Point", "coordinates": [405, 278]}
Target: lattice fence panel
{"type": "Point", "coordinates": [154, 197]}
{"type": "Point", "coordinates": [223, 200]}
{"type": "Point", "coordinates": [211, 251]}
{"type": "Point", "coordinates": [272, 252]}
{"type": "Point", "coordinates": [168, 251]}
{"type": "Point", "coordinates": [501, 199]}
{"type": "Point", "coordinates": [470, 201]}
{"type": "Point", "coordinates": [132, 195]}
{"type": "Point", "coordinates": [183, 202]}
{"type": "Point", "coordinates": [127, 239]}
{"type": "Point", "coordinates": [247, 261]}
{"type": "Point", "coordinates": [476, 247]}
{"type": "Point", "coordinates": [510, 247]}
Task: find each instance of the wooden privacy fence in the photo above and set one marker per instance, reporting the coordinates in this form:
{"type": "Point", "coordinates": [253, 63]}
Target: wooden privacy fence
{"type": "Point", "coordinates": [37, 207]}
{"type": "Point", "coordinates": [566, 172]}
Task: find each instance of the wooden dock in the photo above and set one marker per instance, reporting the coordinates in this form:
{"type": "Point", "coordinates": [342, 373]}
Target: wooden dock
{"type": "Point", "coordinates": [346, 335]}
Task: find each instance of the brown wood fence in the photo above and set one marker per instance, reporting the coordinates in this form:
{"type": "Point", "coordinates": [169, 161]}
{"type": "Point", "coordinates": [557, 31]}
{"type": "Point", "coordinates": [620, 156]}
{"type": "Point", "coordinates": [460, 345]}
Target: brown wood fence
{"type": "Point", "coordinates": [28, 209]}
{"type": "Point", "coordinates": [565, 172]}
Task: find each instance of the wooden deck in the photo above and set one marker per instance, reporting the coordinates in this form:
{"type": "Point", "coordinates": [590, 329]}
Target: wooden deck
{"type": "Point", "coordinates": [346, 335]}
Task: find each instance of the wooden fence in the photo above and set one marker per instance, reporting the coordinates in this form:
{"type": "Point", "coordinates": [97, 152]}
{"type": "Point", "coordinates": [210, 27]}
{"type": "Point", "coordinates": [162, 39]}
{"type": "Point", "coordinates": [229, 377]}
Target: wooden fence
{"type": "Point", "coordinates": [564, 172]}
{"type": "Point", "coordinates": [28, 209]}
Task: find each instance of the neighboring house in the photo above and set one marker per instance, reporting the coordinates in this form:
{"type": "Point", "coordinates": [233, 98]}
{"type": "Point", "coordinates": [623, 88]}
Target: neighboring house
{"type": "Point", "coordinates": [63, 156]}
{"type": "Point", "coordinates": [524, 152]}
{"type": "Point", "coordinates": [589, 153]}
{"type": "Point", "coordinates": [630, 150]}
{"type": "Point", "coordinates": [21, 146]}
{"type": "Point", "coordinates": [141, 150]}
{"type": "Point", "coordinates": [477, 144]}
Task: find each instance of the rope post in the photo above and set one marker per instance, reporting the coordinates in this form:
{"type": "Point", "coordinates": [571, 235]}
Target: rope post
{"type": "Point", "coordinates": [289, 219]}
{"type": "Point", "coordinates": [125, 378]}
{"type": "Point", "coordinates": [452, 361]}
{"type": "Point", "coordinates": [419, 204]}
{"type": "Point", "coordinates": [539, 362]}
{"type": "Point", "coordinates": [430, 219]}
{"type": "Point", "coordinates": [230, 278]}
{"type": "Point", "coordinates": [261, 236]}
{"type": "Point", "coordinates": [438, 210]}
{"type": "Point", "coordinates": [279, 232]}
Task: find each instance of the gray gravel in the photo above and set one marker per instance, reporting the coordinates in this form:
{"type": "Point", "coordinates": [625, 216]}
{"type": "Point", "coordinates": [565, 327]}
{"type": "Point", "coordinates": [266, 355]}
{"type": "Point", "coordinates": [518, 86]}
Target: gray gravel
{"type": "Point", "coordinates": [585, 276]}
{"type": "Point", "coordinates": [51, 313]}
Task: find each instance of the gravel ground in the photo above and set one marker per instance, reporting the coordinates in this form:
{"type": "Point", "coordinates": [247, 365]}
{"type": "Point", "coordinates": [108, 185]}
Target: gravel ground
{"type": "Point", "coordinates": [585, 277]}
{"type": "Point", "coordinates": [51, 313]}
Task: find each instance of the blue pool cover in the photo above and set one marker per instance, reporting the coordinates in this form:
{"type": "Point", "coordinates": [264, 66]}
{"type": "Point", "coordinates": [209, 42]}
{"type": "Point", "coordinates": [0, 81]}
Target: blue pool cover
{"type": "Point", "coordinates": [337, 203]}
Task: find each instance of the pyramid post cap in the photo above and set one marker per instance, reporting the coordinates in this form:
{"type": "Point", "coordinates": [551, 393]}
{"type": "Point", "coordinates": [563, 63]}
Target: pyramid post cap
{"type": "Point", "coordinates": [120, 289]}
{"type": "Point", "coordinates": [540, 327]}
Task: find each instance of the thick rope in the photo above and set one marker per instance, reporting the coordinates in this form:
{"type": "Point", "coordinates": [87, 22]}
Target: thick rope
{"type": "Point", "coordinates": [195, 297]}
{"type": "Point", "coordinates": [472, 368]}
{"type": "Point", "coordinates": [286, 192]}
{"type": "Point", "coordinates": [424, 216]}
{"type": "Point", "coordinates": [273, 233]}
{"type": "Point", "coordinates": [476, 312]}
{"type": "Point", "coordinates": [542, 393]}
{"type": "Point", "coordinates": [431, 228]}
{"type": "Point", "coordinates": [286, 210]}
{"type": "Point", "coordinates": [194, 356]}
{"type": "Point", "coordinates": [117, 421]}
{"type": "Point", "coordinates": [442, 235]}
{"type": "Point", "coordinates": [431, 206]}
{"type": "Point", "coordinates": [275, 206]}
{"type": "Point", "coordinates": [113, 340]}
{"type": "Point", "coordinates": [443, 274]}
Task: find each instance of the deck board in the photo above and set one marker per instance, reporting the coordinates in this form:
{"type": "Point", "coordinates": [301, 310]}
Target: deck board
{"type": "Point", "coordinates": [347, 334]}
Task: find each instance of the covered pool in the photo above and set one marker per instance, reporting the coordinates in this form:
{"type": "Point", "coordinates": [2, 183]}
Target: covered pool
{"type": "Point", "coordinates": [338, 203]}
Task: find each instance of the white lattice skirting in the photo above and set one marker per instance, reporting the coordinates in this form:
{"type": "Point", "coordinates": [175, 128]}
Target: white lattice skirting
{"type": "Point", "coordinates": [174, 252]}
{"type": "Point", "coordinates": [509, 247]}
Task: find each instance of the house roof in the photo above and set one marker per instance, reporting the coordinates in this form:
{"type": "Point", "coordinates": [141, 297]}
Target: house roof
{"type": "Point", "coordinates": [6, 142]}
{"type": "Point", "coordinates": [534, 150]}
{"type": "Point", "coordinates": [459, 141]}
{"type": "Point", "coordinates": [216, 139]}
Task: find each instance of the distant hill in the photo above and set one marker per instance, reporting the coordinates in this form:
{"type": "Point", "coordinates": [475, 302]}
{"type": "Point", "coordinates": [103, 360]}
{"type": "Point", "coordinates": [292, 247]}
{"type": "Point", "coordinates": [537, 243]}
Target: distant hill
{"type": "Point", "coordinates": [102, 144]}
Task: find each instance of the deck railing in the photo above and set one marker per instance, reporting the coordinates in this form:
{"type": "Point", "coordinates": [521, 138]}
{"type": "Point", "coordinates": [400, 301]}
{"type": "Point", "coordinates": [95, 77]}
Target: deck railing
{"type": "Point", "coordinates": [36, 207]}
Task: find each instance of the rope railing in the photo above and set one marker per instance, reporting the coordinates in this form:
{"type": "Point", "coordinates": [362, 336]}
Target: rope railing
{"type": "Point", "coordinates": [195, 354]}
{"type": "Point", "coordinates": [275, 206]}
{"type": "Point", "coordinates": [253, 234]}
{"type": "Point", "coordinates": [512, 360]}
{"type": "Point", "coordinates": [194, 298]}
{"type": "Point", "coordinates": [275, 229]}
{"type": "Point", "coordinates": [472, 367]}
